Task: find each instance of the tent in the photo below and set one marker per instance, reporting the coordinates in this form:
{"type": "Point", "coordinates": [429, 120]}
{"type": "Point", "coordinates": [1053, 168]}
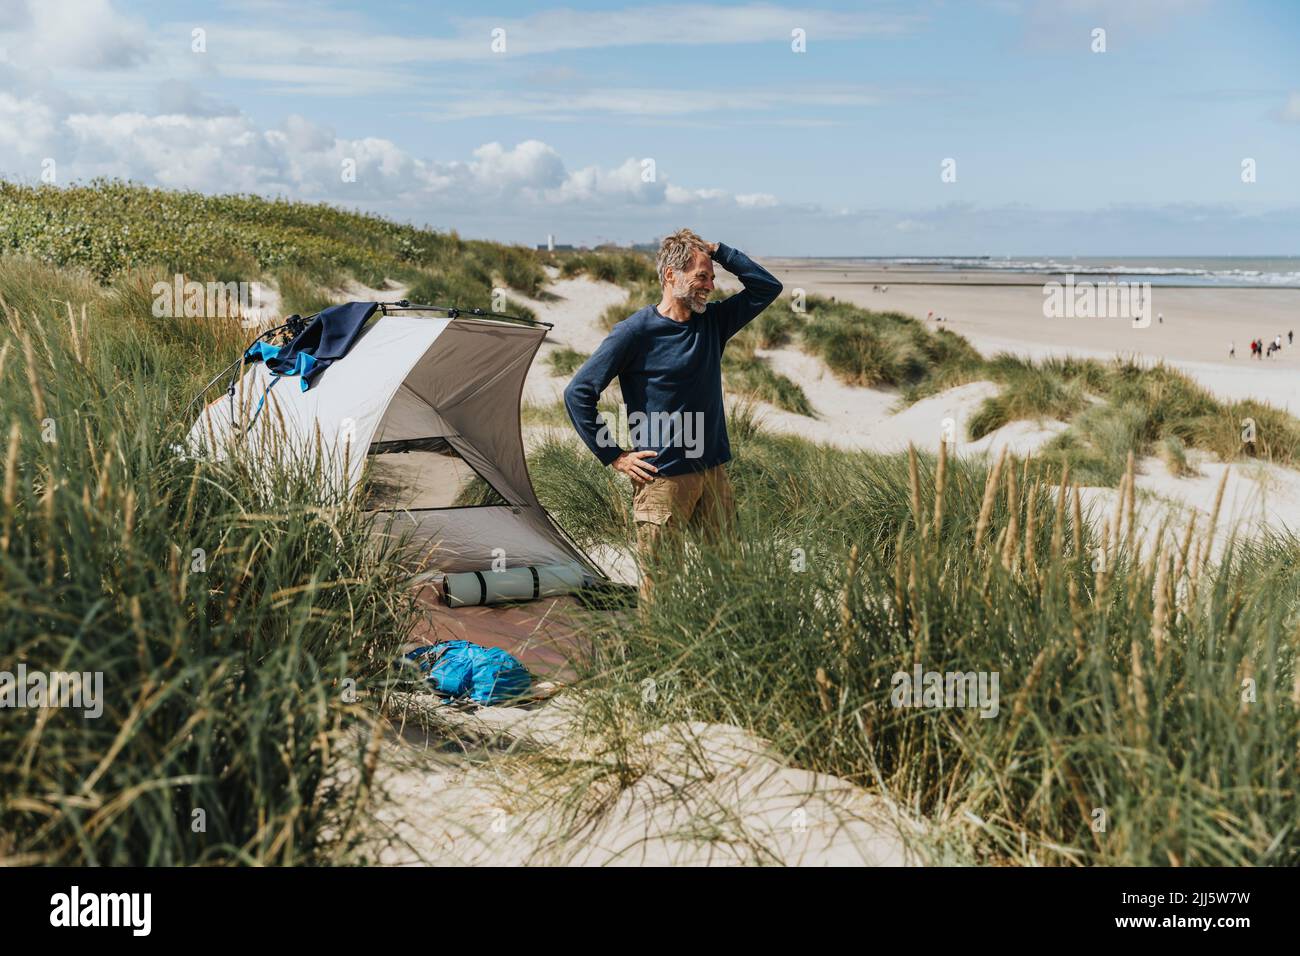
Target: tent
{"type": "Point", "coordinates": [431, 404]}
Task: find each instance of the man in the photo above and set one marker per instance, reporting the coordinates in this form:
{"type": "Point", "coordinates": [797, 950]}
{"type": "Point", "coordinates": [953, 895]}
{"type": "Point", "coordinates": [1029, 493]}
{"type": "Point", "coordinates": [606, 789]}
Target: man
{"type": "Point", "coordinates": [668, 360]}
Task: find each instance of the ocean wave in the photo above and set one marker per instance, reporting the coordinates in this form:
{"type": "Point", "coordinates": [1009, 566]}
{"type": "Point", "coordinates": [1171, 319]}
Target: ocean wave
{"type": "Point", "coordinates": [1206, 273]}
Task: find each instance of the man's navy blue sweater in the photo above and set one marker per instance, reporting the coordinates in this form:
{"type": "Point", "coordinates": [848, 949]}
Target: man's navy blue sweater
{"type": "Point", "coordinates": [670, 374]}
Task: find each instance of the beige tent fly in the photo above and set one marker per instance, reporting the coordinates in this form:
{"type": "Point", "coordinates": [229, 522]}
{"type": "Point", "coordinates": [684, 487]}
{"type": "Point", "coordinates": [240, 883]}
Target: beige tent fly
{"type": "Point", "coordinates": [432, 404]}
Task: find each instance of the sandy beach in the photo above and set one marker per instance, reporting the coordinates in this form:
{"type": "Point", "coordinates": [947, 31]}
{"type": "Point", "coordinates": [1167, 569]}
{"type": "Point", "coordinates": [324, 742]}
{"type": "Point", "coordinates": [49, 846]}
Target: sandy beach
{"type": "Point", "coordinates": [1003, 312]}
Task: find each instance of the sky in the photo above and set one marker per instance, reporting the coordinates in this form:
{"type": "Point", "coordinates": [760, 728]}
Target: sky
{"type": "Point", "coordinates": [965, 127]}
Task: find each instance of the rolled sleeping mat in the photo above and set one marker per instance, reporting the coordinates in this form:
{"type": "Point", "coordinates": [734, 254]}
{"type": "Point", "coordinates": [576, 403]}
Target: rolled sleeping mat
{"type": "Point", "coordinates": [512, 584]}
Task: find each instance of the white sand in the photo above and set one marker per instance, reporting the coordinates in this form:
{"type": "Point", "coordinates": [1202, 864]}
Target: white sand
{"type": "Point", "coordinates": [574, 307]}
{"type": "Point", "coordinates": [1275, 381]}
{"type": "Point", "coordinates": [1198, 322]}
{"type": "Point", "coordinates": [702, 794]}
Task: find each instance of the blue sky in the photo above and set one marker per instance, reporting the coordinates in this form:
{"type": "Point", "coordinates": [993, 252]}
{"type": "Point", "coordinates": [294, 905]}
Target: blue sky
{"type": "Point", "coordinates": [834, 151]}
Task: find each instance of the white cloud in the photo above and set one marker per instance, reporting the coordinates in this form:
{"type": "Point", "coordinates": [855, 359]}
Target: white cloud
{"type": "Point", "coordinates": [122, 122]}
{"type": "Point", "coordinates": [76, 34]}
{"type": "Point", "coordinates": [225, 153]}
{"type": "Point", "coordinates": [334, 53]}
{"type": "Point", "coordinates": [317, 79]}
{"type": "Point", "coordinates": [679, 196]}
{"type": "Point", "coordinates": [522, 191]}
{"type": "Point", "coordinates": [634, 181]}
{"type": "Point", "coordinates": [532, 165]}
{"type": "Point", "coordinates": [229, 152]}
{"type": "Point", "coordinates": [28, 130]}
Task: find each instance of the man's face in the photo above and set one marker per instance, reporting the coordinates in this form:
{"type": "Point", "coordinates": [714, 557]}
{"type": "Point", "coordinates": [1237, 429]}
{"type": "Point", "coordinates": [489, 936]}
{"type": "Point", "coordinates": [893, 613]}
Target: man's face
{"type": "Point", "coordinates": [694, 284]}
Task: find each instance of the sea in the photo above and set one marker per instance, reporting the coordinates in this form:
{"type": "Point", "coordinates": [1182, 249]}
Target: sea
{"type": "Point", "coordinates": [1223, 271]}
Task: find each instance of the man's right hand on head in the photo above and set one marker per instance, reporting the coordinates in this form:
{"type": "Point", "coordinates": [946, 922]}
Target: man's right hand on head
{"type": "Point", "coordinates": [634, 465]}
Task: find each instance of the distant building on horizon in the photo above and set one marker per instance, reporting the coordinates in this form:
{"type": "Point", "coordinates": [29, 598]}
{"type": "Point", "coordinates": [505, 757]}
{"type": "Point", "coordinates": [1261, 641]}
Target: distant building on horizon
{"type": "Point", "coordinates": [602, 245]}
{"type": "Point", "coordinates": [550, 245]}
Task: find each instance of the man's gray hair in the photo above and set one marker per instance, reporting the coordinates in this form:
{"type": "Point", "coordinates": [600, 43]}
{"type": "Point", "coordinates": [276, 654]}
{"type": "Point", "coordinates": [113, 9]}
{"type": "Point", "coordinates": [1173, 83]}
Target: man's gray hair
{"type": "Point", "coordinates": [677, 251]}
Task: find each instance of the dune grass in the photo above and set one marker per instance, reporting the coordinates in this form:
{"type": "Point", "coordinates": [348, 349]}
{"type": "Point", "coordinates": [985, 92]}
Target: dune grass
{"type": "Point", "coordinates": [466, 290]}
{"type": "Point", "coordinates": [238, 632]}
{"type": "Point", "coordinates": [1113, 408]}
{"type": "Point", "coordinates": [750, 375]}
{"type": "Point", "coordinates": [639, 295]}
{"type": "Point", "coordinates": [882, 349]}
{"type": "Point", "coordinates": [1149, 709]}
{"type": "Point", "coordinates": [299, 294]}
{"type": "Point", "coordinates": [621, 267]}
{"type": "Point", "coordinates": [565, 361]}
{"type": "Point", "coordinates": [774, 327]}
{"type": "Point", "coordinates": [109, 228]}
{"type": "Point", "coordinates": [1122, 406]}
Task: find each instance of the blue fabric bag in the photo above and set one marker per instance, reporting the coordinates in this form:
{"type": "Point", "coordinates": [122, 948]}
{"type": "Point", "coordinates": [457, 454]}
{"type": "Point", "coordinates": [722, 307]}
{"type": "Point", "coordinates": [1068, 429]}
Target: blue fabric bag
{"type": "Point", "coordinates": [459, 669]}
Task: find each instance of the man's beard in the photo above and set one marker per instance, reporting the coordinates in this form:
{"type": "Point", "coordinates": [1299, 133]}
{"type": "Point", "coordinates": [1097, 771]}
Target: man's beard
{"type": "Point", "coordinates": [695, 299]}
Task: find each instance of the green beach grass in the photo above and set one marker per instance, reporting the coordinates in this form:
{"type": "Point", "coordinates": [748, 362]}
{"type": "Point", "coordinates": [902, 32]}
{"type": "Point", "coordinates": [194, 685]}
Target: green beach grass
{"type": "Point", "coordinates": [237, 634]}
{"type": "Point", "coordinates": [1149, 709]}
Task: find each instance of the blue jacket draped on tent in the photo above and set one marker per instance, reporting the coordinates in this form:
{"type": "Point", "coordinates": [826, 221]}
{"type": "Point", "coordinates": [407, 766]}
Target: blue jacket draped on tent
{"type": "Point", "coordinates": [315, 348]}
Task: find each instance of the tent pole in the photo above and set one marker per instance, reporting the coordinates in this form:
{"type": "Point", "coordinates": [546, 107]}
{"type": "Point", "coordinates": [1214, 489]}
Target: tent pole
{"type": "Point", "coordinates": [404, 305]}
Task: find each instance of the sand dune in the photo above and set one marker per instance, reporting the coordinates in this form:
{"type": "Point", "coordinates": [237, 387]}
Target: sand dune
{"type": "Point", "coordinates": [704, 794]}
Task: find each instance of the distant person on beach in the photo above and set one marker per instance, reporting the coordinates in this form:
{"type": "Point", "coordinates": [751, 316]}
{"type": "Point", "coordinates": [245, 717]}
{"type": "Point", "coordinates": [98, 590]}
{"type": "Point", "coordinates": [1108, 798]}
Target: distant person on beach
{"type": "Point", "coordinates": [1290, 337]}
{"type": "Point", "coordinates": [1232, 350]}
{"type": "Point", "coordinates": [668, 361]}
